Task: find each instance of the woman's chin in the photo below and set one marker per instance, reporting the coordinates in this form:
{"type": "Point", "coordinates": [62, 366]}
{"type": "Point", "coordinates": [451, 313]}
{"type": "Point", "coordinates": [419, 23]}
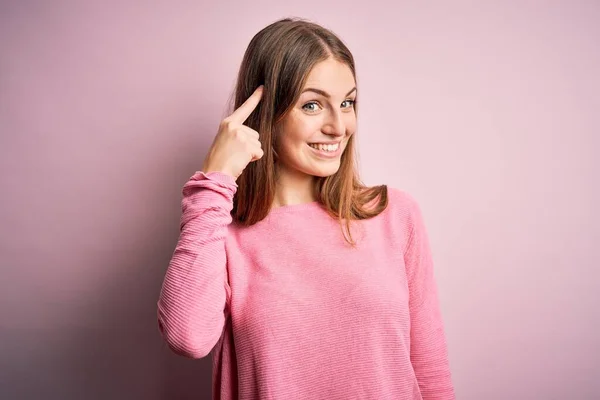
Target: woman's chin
{"type": "Point", "coordinates": [324, 171]}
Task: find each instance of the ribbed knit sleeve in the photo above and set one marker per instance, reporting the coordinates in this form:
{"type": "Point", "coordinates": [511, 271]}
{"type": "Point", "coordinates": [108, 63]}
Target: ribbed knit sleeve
{"type": "Point", "coordinates": [428, 352]}
{"type": "Point", "coordinates": [195, 293]}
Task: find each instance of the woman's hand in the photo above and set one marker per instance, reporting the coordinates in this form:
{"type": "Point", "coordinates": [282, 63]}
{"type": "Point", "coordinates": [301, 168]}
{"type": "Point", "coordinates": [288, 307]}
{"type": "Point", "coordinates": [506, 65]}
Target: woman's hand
{"type": "Point", "coordinates": [235, 145]}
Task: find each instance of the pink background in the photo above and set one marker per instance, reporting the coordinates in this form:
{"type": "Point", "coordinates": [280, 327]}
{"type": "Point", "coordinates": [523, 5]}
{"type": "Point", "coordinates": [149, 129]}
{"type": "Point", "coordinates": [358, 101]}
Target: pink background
{"type": "Point", "coordinates": [487, 112]}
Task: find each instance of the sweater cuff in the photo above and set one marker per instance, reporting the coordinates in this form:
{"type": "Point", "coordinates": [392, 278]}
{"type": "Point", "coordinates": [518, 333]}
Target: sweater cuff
{"type": "Point", "coordinates": [215, 176]}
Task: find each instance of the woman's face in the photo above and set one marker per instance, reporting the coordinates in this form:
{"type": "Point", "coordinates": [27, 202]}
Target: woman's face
{"type": "Point", "coordinates": [323, 114]}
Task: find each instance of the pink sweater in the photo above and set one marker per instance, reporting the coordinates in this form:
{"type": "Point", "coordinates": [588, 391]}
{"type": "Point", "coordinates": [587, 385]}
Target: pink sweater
{"type": "Point", "coordinates": [290, 311]}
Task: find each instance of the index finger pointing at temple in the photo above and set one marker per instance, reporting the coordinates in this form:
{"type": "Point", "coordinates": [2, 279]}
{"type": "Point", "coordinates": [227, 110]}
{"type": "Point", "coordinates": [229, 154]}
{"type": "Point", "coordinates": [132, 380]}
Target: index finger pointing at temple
{"type": "Point", "coordinates": [243, 112]}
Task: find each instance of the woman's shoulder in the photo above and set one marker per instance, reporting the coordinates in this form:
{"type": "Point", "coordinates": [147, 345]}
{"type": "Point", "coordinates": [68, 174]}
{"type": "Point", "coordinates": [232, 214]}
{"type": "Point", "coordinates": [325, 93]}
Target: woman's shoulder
{"type": "Point", "coordinates": [401, 200]}
{"type": "Point", "coordinates": [394, 204]}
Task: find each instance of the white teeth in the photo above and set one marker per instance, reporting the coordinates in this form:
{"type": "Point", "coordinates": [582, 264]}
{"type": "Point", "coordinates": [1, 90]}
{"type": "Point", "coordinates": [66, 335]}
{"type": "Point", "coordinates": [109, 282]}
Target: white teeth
{"type": "Point", "coordinates": [325, 147]}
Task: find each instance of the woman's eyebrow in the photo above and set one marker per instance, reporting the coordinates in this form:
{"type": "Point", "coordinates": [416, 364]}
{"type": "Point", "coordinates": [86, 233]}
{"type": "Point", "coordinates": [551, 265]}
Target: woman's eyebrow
{"type": "Point", "coordinates": [324, 93]}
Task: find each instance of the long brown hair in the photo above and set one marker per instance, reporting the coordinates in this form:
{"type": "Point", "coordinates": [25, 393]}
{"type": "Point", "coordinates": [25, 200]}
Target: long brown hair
{"type": "Point", "coordinates": [280, 57]}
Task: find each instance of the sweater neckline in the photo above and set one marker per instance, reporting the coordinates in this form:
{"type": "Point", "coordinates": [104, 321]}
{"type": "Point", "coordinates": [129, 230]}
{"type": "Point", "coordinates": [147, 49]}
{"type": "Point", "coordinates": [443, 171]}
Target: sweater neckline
{"type": "Point", "coordinates": [295, 207]}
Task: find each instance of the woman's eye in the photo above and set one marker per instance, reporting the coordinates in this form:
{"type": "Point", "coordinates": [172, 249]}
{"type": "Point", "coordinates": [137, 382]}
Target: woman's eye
{"type": "Point", "coordinates": [350, 103]}
{"type": "Point", "coordinates": [312, 103]}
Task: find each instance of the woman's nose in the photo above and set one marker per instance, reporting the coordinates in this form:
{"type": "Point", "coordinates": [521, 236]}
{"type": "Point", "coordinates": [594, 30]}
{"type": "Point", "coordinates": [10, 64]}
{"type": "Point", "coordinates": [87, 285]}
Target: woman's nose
{"type": "Point", "coordinates": [335, 124]}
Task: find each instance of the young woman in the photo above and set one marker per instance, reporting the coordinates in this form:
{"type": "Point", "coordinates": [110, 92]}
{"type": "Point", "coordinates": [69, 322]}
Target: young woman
{"type": "Point", "coordinates": [300, 281]}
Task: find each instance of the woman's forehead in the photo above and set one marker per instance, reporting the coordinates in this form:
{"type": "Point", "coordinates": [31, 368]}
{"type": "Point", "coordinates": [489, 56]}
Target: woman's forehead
{"type": "Point", "coordinates": [331, 76]}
